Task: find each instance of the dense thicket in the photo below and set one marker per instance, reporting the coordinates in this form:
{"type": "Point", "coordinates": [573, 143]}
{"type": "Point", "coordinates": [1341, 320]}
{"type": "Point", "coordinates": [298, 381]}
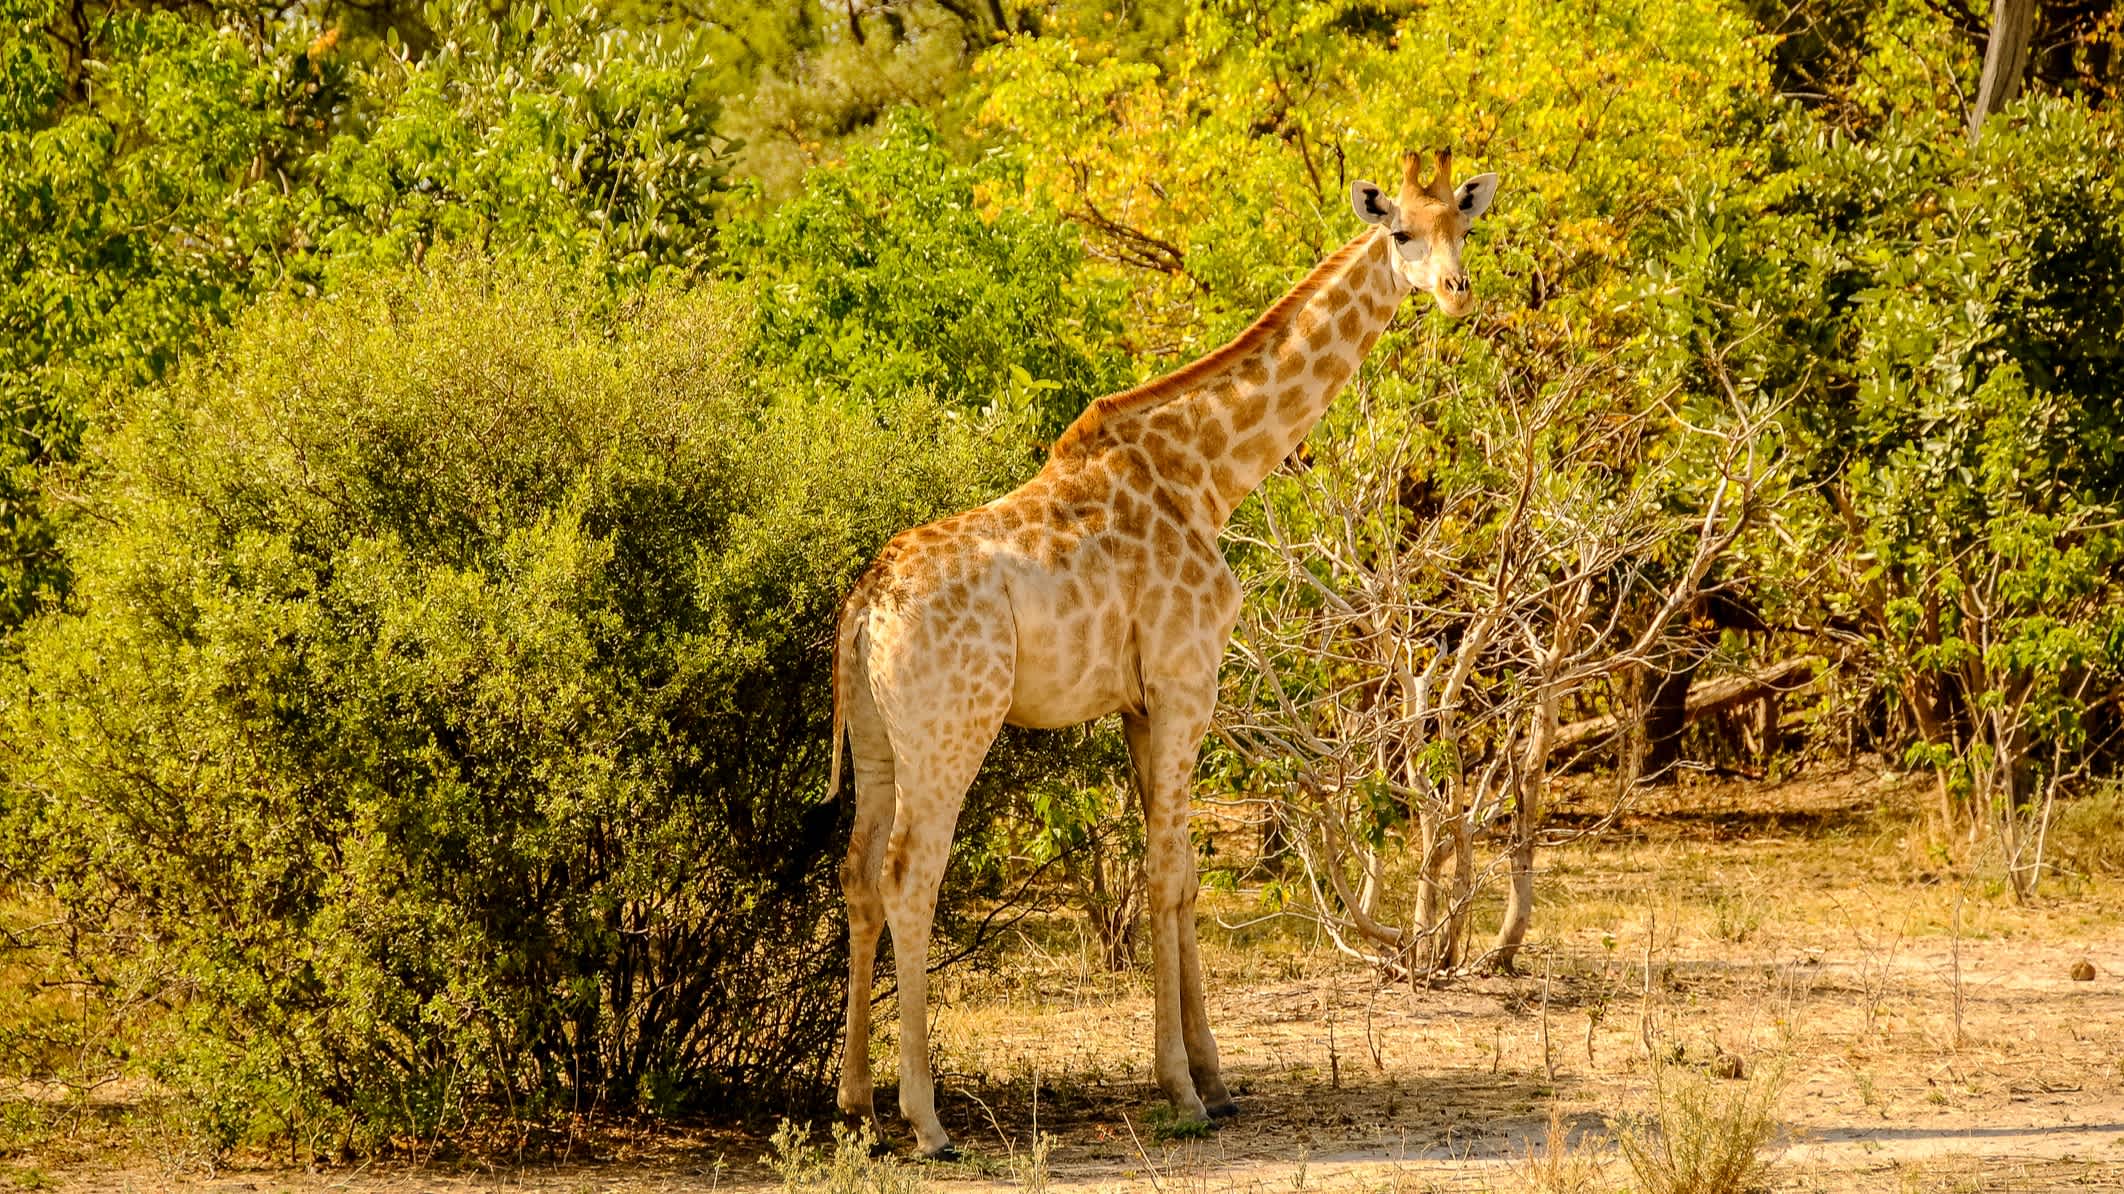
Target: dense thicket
{"type": "Point", "coordinates": [161, 168]}
{"type": "Point", "coordinates": [1942, 322]}
{"type": "Point", "coordinates": [438, 711]}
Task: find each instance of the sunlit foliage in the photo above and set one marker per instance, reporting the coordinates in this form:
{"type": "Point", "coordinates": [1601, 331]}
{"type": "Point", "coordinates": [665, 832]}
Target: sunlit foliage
{"type": "Point", "coordinates": [401, 686]}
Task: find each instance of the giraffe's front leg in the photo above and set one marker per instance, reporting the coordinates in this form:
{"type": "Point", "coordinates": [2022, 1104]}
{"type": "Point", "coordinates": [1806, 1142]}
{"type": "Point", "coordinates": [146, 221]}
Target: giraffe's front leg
{"type": "Point", "coordinates": [1202, 1062]}
{"type": "Point", "coordinates": [1163, 743]}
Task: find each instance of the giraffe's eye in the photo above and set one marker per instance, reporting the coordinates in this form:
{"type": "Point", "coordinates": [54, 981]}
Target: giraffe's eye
{"type": "Point", "coordinates": [1402, 238]}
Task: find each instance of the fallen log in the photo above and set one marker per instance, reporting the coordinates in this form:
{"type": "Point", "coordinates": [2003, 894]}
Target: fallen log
{"type": "Point", "coordinates": [1707, 697]}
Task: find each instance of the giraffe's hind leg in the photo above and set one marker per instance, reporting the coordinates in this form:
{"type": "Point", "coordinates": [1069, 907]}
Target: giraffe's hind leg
{"type": "Point", "coordinates": [870, 750]}
{"type": "Point", "coordinates": [930, 793]}
{"type": "Point", "coordinates": [931, 770]}
{"type": "Point", "coordinates": [938, 669]}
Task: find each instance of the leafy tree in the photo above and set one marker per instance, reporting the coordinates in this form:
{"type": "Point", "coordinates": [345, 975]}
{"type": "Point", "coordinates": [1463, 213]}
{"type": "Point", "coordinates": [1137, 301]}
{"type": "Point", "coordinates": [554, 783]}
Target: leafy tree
{"type": "Point", "coordinates": [126, 233]}
{"type": "Point", "coordinates": [1217, 175]}
{"type": "Point", "coordinates": [552, 133]}
{"type": "Point", "coordinates": [898, 272]}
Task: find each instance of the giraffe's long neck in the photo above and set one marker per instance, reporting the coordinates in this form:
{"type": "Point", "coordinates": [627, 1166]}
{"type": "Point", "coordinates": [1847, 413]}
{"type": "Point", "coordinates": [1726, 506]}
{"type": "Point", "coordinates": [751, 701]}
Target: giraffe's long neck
{"type": "Point", "coordinates": [1257, 410]}
{"type": "Point", "coordinates": [1212, 430]}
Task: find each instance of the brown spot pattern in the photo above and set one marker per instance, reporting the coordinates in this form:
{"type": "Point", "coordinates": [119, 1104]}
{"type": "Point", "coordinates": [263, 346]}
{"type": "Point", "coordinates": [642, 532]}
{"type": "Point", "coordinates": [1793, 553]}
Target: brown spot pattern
{"type": "Point", "coordinates": [1211, 436]}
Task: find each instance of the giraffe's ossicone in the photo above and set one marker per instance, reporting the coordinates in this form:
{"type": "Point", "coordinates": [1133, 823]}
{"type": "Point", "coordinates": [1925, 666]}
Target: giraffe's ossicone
{"type": "Point", "coordinates": [1095, 588]}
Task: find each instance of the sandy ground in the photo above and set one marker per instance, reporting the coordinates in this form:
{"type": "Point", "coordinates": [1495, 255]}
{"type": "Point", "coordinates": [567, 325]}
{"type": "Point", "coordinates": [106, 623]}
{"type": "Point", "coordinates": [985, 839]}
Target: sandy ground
{"type": "Point", "coordinates": [1925, 1034]}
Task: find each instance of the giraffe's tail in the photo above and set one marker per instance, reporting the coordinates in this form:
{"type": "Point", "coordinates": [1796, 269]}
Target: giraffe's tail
{"type": "Point", "coordinates": [844, 632]}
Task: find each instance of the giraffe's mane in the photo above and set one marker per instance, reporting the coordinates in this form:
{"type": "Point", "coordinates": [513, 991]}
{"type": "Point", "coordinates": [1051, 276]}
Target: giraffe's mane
{"type": "Point", "coordinates": [1085, 428]}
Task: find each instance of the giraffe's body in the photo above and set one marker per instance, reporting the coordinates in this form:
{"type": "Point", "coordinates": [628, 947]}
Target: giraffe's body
{"type": "Point", "coordinates": [1096, 587]}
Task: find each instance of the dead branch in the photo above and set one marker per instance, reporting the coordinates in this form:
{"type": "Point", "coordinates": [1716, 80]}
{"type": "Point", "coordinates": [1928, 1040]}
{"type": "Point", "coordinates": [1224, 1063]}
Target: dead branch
{"type": "Point", "coordinates": [1404, 674]}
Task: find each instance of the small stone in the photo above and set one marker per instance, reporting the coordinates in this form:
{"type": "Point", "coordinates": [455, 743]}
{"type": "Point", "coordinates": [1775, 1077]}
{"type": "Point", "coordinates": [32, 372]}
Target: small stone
{"type": "Point", "coordinates": [2083, 971]}
{"type": "Point", "coordinates": [1728, 1065]}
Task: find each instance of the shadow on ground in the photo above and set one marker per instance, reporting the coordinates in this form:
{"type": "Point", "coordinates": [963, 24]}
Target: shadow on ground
{"type": "Point", "coordinates": [1282, 1115]}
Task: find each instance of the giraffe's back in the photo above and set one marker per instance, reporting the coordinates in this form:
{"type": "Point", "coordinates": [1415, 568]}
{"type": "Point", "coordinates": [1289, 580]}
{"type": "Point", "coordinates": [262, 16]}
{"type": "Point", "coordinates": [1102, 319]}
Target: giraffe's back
{"type": "Point", "coordinates": [1031, 595]}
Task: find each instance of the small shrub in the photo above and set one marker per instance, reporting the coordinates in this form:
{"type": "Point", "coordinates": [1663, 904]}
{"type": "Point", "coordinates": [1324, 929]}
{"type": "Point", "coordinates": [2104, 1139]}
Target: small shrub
{"type": "Point", "coordinates": [1095, 832]}
{"type": "Point", "coordinates": [1736, 914]}
{"type": "Point", "coordinates": [853, 1165]}
{"type": "Point", "coordinates": [1030, 1169]}
{"type": "Point", "coordinates": [1565, 1165]}
{"type": "Point", "coordinates": [1703, 1136]}
{"type": "Point", "coordinates": [1168, 1125]}
{"type": "Point", "coordinates": [2088, 834]}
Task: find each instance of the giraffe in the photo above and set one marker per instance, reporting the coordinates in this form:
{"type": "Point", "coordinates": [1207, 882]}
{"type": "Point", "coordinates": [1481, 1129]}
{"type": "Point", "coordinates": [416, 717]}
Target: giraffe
{"type": "Point", "coordinates": [1097, 587]}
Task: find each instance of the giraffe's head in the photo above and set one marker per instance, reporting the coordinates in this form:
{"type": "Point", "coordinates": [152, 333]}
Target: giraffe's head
{"type": "Point", "coordinates": [1429, 223]}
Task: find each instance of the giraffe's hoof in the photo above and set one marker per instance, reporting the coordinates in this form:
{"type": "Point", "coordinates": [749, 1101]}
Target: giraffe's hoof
{"type": "Point", "coordinates": [1223, 1110]}
{"type": "Point", "coordinates": [946, 1153]}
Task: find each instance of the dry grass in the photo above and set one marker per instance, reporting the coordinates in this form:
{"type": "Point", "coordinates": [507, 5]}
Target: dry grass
{"type": "Point", "coordinates": [849, 1163]}
{"type": "Point", "coordinates": [1819, 919]}
{"type": "Point", "coordinates": [1565, 1164]}
{"type": "Point", "coordinates": [2087, 838]}
{"type": "Point", "coordinates": [1705, 1134]}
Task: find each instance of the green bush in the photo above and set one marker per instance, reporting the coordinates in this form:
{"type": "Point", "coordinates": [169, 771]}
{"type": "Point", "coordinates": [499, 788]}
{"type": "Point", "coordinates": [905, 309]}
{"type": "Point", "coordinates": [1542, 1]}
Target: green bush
{"type": "Point", "coordinates": [887, 274]}
{"type": "Point", "coordinates": [439, 717]}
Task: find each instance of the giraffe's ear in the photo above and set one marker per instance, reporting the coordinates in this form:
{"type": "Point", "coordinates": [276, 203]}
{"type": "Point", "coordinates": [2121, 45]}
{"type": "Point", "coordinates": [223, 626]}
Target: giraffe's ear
{"type": "Point", "coordinates": [1371, 204]}
{"type": "Point", "coordinates": [1473, 197]}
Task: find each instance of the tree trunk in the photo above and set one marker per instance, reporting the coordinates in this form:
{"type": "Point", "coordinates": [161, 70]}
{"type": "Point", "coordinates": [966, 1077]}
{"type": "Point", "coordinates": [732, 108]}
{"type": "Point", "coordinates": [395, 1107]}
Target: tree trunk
{"type": "Point", "coordinates": [1519, 894]}
{"type": "Point", "coordinates": [1666, 712]}
{"type": "Point", "coordinates": [2005, 59]}
{"type": "Point", "coordinates": [1276, 836]}
{"type": "Point", "coordinates": [1433, 898]}
{"type": "Point", "coordinates": [1463, 893]}
{"type": "Point", "coordinates": [1769, 727]}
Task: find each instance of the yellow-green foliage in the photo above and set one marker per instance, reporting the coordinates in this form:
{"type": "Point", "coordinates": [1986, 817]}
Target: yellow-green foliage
{"type": "Point", "coordinates": [160, 168]}
{"type": "Point", "coordinates": [1230, 163]}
